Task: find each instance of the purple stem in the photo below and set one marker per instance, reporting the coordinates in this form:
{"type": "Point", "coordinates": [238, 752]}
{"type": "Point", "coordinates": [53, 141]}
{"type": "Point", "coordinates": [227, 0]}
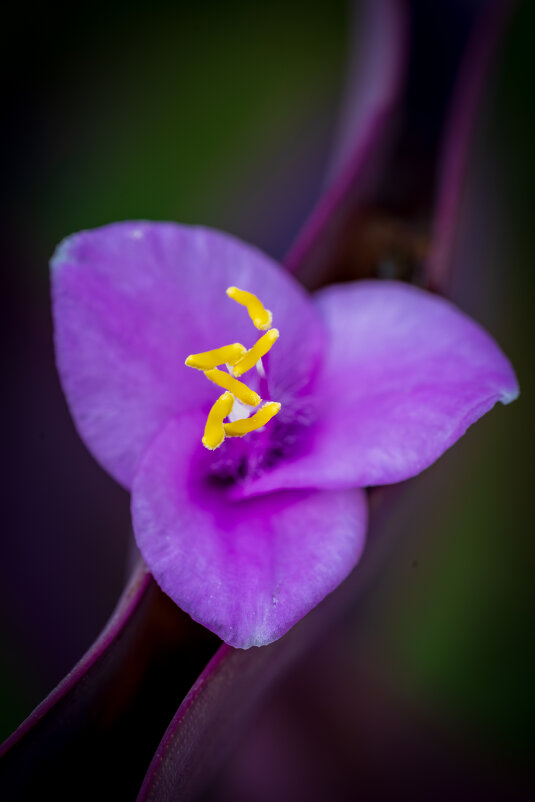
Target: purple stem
{"type": "Point", "coordinates": [458, 140]}
{"type": "Point", "coordinates": [129, 601]}
{"type": "Point", "coordinates": [376, 78]}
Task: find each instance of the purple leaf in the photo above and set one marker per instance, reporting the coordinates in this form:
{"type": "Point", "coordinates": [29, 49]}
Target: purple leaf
{"type": "Point", "coordinates": [101, 724]}
{"type": "Point", "coordinates": [474, 73]}
{"type": "Point", "coordinates": [374, 80]}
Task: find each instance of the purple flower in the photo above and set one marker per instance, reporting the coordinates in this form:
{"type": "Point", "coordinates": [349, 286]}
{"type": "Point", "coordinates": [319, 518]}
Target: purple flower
{"type": "Point", "coordinates": [375, 381]}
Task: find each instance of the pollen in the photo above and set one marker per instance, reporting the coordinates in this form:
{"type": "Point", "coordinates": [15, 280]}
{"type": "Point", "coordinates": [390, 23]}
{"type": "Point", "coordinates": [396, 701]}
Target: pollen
{"type": "Point", "coordinates": [260, 316]}
{"type": "Point", "coordinates": [259, 349]}
{"type": "Point", "coordinates": [214, 433]}
{"type": "Point", "coordinates": [238, 361]}
{"type": "Point", "coordinates": [238, 389]}
{"type": "Point", "coordinates": [246, 425]}
{"type": "Point", "coordinates": [227, 354]}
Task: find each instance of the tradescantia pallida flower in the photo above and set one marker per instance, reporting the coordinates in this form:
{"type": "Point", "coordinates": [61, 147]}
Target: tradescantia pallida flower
{"type": "Point", "coordinates": [371, 382]}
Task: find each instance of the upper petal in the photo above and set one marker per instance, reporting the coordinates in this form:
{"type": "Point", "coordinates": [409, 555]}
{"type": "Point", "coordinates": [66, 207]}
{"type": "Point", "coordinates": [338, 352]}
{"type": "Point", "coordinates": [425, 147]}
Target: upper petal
{"type": "Point", "coordinates": [247, 570]}
{"type": "Point", "coordinates": [405, 374]}
{"type": "Point", "coordinates": [132, 300]}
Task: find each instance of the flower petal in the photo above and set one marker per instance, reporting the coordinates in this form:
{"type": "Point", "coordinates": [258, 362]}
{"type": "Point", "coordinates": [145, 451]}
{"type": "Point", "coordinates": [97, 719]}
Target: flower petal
{"type": "Point", "coordinates": [405, 375]}
{"type": "Point", "coordinates": [247, 570]}
{"type": "Point", "coordinates": [132, 300]}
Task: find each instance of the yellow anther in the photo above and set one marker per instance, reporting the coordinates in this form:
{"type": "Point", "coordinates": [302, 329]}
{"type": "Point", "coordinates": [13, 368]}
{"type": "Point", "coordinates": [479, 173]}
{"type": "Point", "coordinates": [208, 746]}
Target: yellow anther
{"type": "Point", "coordinates": [259, 349]}
{"type": "Point", "coordinates": [238, 389]}
{"type": "Point", "coordinates": [260, 316]}
{"type": "Point", "coordinates": [229, 354]}
{"type": "Point", "coordinates": [214, 433]}
{"type": "Point", "coordinates": [240, 427]}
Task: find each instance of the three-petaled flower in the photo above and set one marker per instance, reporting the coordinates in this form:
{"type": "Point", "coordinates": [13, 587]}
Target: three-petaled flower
{"type": "Point", "coordinates": [376, 379]}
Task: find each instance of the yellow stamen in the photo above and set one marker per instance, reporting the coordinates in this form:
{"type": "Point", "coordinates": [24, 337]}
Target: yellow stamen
{"type": "Point", "coordinates": [214, 433]}
{"type": "Point", "coordinates": [238, 389]}
{"type": "Point", "coordinates": [238, 361]}
{"type": "Point", "coordinates": [229, 354]}
{"type": "Point", "coordinates": [260, 316]}
{"type": "Point", "coordinates": [240, 427]}
{"type": "Point", "coordinates": [259, 349]}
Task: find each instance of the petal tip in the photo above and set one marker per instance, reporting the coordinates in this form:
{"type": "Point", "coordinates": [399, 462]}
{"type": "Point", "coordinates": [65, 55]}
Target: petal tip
{"type": "Point", "coordinates": [62, 252]}
{"type": "Point", "coordinates": [508, 396]}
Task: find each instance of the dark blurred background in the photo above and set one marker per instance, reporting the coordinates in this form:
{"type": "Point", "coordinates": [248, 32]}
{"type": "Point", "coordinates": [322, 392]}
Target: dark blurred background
{"type": "Point", "coordinates": [222, 114]}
